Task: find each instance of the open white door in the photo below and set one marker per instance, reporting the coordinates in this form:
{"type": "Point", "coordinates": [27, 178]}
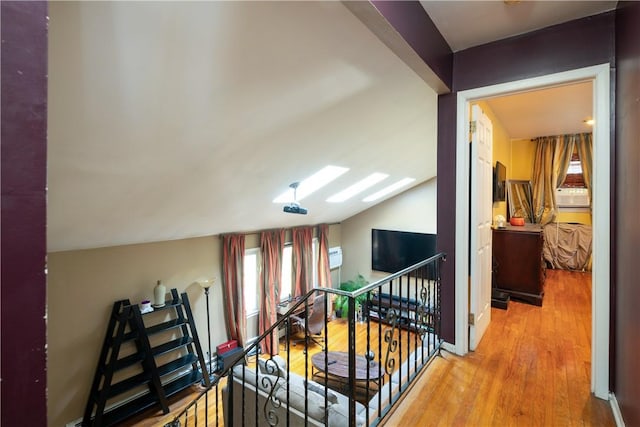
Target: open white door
{"type": "Point", "coordinates": [480, 216]}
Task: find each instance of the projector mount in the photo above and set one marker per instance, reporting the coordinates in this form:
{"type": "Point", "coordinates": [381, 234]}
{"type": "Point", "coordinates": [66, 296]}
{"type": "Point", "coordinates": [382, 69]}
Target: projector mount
{"type": "Point", "coordinates": [294, 207]}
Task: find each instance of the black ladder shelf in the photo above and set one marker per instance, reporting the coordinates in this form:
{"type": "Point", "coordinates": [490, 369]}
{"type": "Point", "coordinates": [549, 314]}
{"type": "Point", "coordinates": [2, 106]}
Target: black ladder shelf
{"type": "Point", "coordinates": [128, 379]}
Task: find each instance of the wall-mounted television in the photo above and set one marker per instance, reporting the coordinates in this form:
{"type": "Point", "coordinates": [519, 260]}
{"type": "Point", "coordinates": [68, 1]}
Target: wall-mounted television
{"type": "Point", "coordinates": [392, 251]}
{"type": "Point", "coordinates": [499, 182]}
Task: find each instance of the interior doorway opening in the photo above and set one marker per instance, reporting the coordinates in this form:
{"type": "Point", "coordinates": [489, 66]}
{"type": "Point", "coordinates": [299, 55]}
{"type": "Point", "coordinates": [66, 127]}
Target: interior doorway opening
{"type": "Point", "coordinates": [599, 75]}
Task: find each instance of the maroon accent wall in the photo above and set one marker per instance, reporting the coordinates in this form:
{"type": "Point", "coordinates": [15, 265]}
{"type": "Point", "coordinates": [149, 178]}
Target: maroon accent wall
{"type": "Point", "coordinates": [23, 245]}
{"type": "Point", "coordinates": [576, 44]}
{"type": "Point", "coordinates": [627, 297]}
{"type": "Point", "coordinates": [446, 214]}
{"type": "Point", "coordinates": [414, 25]}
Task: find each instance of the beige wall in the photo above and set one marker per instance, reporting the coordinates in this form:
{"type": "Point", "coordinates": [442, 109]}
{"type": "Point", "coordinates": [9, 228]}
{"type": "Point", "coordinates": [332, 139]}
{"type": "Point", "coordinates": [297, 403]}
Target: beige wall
{"type": "Point", "coordinates": [414, 210]}
{"type": "Point", "coordinates": [83, 285]}
{"type": "Point", "coordinates": [501, 151]}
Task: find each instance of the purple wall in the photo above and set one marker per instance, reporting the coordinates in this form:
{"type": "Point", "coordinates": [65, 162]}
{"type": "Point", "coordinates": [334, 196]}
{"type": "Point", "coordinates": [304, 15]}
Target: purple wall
{"type": "Point", "coordinates": [414, 25]}
{"type": "Point", "coordinates": [24, 163]}
{"type": "Point", "coordinates": [575, 44]}
{"type": "Point", "coordinates": [627, 297]}
{"type": "Point", "coordinates": [446, 214]}
{"type": "Point", "coordinates": [580, 43]}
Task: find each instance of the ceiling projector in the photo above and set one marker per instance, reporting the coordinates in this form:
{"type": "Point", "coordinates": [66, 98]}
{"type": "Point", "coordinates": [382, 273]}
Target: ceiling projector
{"type": "Point", "coordinates": [295, 208]}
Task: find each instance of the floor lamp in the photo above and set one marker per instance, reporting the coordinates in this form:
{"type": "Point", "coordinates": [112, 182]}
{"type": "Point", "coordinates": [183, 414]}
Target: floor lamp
{"type": "Point", "coordinates": [206, 284]}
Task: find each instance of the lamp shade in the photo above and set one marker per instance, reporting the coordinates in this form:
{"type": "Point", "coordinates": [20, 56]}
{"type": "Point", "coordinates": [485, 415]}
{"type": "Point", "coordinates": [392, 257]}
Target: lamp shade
{"type": "Point", "coordinates": [206, 283]}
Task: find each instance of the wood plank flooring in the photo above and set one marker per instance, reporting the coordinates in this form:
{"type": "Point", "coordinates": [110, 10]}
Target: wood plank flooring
{"type": "Point", "coordinates": [532, 368]}
{"type": "Point", "coordinates": [298, 361]}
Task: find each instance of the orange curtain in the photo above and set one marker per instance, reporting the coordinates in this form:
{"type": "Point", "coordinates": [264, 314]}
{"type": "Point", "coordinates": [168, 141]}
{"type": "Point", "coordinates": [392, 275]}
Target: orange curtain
{"type": "Point", "coordinates": [302, 259]}
{"type": "Point", "coordinates": [233, 286]}
{"type": "Point", "coordinates": [271, 247]}
{"type": "Point", "coordinates": [324, 272]}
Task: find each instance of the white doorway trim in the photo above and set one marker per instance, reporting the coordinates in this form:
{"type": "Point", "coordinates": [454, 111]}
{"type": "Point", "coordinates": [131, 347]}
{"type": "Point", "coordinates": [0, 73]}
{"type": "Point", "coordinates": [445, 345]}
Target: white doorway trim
{"type": "Point", "coordinates": [599, 74]}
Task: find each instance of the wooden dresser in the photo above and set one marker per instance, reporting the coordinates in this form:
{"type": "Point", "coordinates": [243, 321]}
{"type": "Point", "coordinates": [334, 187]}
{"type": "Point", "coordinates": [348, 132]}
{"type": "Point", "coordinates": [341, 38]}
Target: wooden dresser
{"type": "Point", "coordinates": [518, 266]}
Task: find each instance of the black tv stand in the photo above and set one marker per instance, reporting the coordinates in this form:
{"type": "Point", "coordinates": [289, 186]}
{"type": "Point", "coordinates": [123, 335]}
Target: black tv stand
{"type": "Point", "coordinates": [406, 309]}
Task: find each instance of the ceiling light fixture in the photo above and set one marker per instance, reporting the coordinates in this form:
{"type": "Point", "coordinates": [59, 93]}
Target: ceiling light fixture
{"type": "Point", "coordinates": [389, 189]}
{"type": "Point", "coordinates": [589, 122]}
{"type": "Point", "coordinates": [358, 187]}
{"type": "Point", "coordinates": [311, 184]}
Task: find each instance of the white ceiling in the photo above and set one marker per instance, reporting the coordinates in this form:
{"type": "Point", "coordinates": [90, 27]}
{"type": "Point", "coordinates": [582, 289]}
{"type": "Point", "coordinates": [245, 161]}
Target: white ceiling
{"type": "Point", "coordinates": [170, 120]}
{"type": "Point", "coordinates": [555, 111]}
{"type": "Point", "coordinates": [466, 24]}
{"type": "Point", "coordinates": [180, 119]}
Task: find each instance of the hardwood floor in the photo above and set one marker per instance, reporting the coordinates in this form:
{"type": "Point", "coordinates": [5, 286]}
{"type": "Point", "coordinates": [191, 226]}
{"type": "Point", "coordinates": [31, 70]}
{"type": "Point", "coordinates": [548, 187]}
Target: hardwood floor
{"type": "Point", "coordinates": [532, 368]}
{"type": "Point", "coordinates": [298, 362]}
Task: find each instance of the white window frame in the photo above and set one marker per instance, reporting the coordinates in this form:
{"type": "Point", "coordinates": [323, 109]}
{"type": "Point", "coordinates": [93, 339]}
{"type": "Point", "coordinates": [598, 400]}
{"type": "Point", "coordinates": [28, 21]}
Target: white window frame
{"type": "Point", "coordinates": [251, 287]}
{"type": "Point", "coordinates": [285, 294]}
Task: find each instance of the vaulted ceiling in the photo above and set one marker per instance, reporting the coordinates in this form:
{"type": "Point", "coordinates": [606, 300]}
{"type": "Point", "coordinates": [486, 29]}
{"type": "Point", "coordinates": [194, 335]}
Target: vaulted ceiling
{"type": "Point", "coordinates": [180, 119]}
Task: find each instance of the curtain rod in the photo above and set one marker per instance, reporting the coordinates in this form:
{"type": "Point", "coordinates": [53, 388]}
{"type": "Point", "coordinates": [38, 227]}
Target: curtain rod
{"type": "Point", "coordinates": [247, 233]}
{"type": "Point", "coordinates": [565, 134]}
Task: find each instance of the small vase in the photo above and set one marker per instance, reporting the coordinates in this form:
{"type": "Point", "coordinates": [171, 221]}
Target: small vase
{"type": "Point", "coordinates": [158, 294]}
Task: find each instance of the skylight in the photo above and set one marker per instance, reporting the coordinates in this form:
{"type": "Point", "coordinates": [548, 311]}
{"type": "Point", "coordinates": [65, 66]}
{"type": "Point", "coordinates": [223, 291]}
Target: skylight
{"type": "Point", "coordinates": [389, 189]}
{"type": "Point", "coordinates": [358, 187]}
{"type": "Point", "coordinates": [313, 183]}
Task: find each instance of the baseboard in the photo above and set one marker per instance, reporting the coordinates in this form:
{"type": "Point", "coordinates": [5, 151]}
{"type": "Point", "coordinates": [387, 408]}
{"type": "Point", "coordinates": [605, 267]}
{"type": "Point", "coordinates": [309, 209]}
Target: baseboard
{"type": "Point", "coordinates": [76, 423]}
{"type": "Point", "coordinates": [617, 415]}
{"type": "Point", "coordinates": [449, 347]}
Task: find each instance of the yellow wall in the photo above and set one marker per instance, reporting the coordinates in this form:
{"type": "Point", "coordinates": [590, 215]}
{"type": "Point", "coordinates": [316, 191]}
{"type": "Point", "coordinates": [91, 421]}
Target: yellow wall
{"type": "Point", "coordinates": [580, 217]}
{"type": "Point", "coordinates": [522, 154]}
{"type": "Point", "coordinates": [501, 151]}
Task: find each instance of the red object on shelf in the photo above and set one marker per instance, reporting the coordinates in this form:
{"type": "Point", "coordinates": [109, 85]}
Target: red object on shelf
{"type": "Point", "coordinates": [516, 220]}
{"type": "Point", "coordinates": [226, 346]}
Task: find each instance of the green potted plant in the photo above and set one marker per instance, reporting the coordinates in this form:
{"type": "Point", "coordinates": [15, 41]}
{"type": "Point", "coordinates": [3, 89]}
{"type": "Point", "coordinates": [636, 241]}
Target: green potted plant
{"type": "Point", "coordinates": [341, 303]}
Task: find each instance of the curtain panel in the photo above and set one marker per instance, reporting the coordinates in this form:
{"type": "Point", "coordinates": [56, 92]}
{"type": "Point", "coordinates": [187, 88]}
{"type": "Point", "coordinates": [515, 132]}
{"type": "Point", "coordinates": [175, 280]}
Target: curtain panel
{"type": "Point", "coordinates": [233, 286]}
{"type": "Point", "coordinates": [324, 271]}
{"type": "Point", "coordinates": [271, 247]}
{"type": "Point", "coordinates": [551, 162]}
{"type": "Point", "coordinates": [544, 180]}
{"type": "Point", "coordinates": [584, 144]}
{"type": "Point", "coordinates": [302, 259]}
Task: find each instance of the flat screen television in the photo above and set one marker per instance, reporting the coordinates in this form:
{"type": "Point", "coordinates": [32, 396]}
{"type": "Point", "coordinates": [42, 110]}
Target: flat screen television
{"type": "Point", "coordinates": [499, 182]}
{"type": "Point", "coordinates": [392, 251]}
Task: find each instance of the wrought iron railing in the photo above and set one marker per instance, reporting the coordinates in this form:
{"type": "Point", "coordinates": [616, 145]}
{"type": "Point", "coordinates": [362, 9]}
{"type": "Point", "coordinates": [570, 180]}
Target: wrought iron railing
{"type": "Point", "coordinates": [393, 332]}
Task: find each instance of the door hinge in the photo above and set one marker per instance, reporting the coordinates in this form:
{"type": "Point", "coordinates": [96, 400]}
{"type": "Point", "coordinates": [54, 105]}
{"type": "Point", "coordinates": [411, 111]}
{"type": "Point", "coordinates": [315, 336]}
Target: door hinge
{"type": "Point", "coordinates": [472, 319]}
{"type": "Point", "coordinates": [472, 126]}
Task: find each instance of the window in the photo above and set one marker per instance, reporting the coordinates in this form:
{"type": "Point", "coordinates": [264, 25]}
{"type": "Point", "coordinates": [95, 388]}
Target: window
{"type": "Point", "coordinates": [574, 176]}
{"type": "Point", "coordinates": [286, 285]}
{"type": "Point", "coordinates": [251, 275]}
{"type": "Point", "coordinates": [287, 272]}
{"type": "Point", "coordinates": [252, 271]}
